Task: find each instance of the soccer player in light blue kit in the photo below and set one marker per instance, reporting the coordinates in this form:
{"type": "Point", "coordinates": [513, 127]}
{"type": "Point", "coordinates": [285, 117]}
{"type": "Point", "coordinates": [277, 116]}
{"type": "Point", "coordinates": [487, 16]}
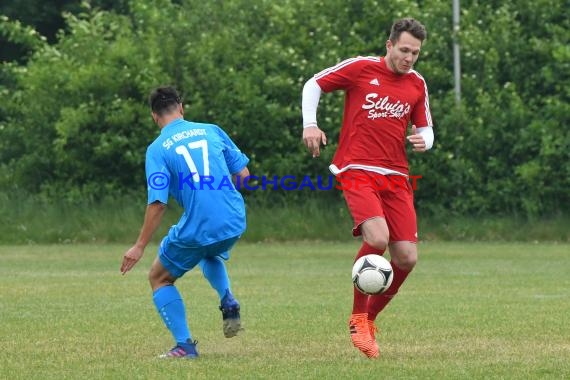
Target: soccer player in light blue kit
{"type": "Point", "coordinates": [197, 164]}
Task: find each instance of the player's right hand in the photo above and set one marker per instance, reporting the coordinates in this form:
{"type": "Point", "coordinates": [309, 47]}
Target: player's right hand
{"type": "Point", "coordinates": [313, 137]}
{"type": "Point", "coordinates": [131, 257]}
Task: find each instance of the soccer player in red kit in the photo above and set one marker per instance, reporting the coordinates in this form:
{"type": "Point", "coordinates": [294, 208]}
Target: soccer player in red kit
{"type": "Point", "coordinates": [383, 97]}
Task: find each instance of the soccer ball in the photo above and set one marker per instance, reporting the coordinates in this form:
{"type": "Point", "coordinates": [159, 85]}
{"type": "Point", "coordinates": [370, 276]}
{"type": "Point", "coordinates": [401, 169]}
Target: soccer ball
{"type": "Point", "coordinates": [372, 274]}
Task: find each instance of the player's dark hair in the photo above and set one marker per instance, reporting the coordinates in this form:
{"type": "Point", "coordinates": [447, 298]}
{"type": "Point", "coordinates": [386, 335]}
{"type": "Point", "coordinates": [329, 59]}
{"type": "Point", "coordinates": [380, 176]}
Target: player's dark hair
{"type": "Point", "coordinates": [163, 100]}
{"type": "Point", "coordinates": [410, 25]}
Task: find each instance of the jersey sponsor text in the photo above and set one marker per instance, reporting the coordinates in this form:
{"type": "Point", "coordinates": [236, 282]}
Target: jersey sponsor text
{"type": "Point", "coordinates": [381, 107]}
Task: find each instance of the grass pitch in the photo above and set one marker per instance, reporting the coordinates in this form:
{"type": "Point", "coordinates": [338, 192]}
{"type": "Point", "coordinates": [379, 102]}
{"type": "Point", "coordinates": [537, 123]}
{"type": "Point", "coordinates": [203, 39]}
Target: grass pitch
{"type": "Point", "coordinates": [468, 311]}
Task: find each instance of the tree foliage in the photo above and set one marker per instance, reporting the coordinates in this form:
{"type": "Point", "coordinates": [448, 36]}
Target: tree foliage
{"type": "Point", "coordinates": [74, 121]}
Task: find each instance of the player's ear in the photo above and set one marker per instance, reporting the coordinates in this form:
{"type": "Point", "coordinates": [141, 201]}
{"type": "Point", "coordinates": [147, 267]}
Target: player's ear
{"type": "Point", "coordinates": [181, 108]}
{"type": "Point", "coordinates": [389, 45]}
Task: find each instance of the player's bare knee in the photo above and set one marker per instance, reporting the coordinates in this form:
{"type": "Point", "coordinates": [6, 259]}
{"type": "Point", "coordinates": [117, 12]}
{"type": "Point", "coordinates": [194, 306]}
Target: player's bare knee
{"type": "Point", "coordinates": [158, 279]}
{"type": "Point", "coordinates": [153, 280]}
{"type": "Point", "coordinates": [375, 233]}
{"type": "Point", "coordinates": [377, 241]}
{"type": "Point", "coordinates": [404, 255]}
{"type": "Point", "coordinates": [406, 262]}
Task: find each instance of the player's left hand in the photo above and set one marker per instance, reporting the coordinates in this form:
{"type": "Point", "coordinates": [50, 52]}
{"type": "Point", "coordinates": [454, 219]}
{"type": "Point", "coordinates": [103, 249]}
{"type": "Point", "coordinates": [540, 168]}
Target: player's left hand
{"type": "Point", "coordinates": [131, 257]}
{"type": "Point", "coordinates": [417, 141]}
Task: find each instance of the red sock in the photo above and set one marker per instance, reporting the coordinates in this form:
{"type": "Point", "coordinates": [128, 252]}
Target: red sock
{"type": "Point", "coordinates": [360, 300]}
{"type": "Point", "coordinates": [377, 303]}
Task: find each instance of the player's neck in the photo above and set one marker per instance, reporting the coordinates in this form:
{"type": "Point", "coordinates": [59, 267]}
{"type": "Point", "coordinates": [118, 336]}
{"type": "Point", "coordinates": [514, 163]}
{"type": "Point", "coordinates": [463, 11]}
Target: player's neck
{"type": "Point", "coordinates": [388, 63]}
{"type": "Point", "coordinates": [169, 118]}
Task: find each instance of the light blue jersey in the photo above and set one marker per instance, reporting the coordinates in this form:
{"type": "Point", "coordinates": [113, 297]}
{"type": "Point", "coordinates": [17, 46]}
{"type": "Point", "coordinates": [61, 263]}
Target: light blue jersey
{"type": "Point", "coordinates": [194, 163]}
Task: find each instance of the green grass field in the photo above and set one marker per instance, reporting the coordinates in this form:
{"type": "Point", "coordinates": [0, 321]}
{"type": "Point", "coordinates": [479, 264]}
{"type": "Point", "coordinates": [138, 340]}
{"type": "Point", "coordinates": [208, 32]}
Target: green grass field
{"type": "Point", "coordinates": [35, 220]}
{"type": "Point", "coordinates": [469, 311]}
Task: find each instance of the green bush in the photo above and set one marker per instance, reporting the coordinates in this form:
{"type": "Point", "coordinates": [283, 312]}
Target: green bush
{"type": "Point", "coordinates": [74, 122]}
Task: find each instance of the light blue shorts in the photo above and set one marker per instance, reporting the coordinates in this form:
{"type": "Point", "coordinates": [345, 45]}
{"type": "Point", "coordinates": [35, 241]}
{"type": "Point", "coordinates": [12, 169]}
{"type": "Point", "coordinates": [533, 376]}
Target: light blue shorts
{"type": "Point", "coordinates": [178, 260]}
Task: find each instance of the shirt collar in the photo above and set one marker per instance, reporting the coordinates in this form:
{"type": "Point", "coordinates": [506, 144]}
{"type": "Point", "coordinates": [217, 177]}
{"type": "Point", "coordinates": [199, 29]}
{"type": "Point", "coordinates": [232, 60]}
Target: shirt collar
{"type": "Point", "coordinates": [171, 125]}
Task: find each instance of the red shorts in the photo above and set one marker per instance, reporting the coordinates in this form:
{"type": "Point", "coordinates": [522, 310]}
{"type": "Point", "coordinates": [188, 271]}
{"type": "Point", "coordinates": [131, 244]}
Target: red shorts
{"type": "Point", "coordinates": [370, 195]}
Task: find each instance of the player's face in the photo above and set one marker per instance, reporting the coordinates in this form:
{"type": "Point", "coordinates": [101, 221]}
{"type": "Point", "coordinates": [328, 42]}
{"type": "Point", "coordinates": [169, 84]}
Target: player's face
{"type": "Point", "coordinates": [402, 55]}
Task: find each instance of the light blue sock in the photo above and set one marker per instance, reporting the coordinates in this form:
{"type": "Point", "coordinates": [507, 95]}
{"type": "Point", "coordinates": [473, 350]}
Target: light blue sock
{"type": "Point", "coordinates": [215, 272]}
{"type": "Point", "coordinates": [172, 311]}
